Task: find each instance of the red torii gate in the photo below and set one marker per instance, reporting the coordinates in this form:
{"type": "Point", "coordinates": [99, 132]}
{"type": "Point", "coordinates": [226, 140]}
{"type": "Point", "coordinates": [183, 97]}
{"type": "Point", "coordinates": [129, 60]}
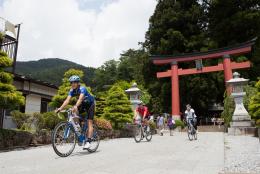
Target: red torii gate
{"type": "Point", "coordinates": [227, 66]}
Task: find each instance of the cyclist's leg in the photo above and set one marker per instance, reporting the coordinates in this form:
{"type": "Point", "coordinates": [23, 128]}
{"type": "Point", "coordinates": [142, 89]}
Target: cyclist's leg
{"type": "Point", "coordinates": [195, 123]}
{"type": "Point", "coordinates": [90, 117]}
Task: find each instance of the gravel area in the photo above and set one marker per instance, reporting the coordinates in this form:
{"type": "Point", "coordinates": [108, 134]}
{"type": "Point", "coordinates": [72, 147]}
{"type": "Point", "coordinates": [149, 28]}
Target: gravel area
{"type": "Point", "coordinates": [242, 155]}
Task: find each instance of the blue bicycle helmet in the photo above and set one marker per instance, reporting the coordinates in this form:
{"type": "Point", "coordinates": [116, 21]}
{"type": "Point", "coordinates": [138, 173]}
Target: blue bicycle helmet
{"type": "Point", "coordinates": [74, 78]}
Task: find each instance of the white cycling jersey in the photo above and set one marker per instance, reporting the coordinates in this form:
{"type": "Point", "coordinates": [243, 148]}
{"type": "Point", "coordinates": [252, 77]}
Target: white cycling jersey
{"type": "Point", "coordinates": [190, 114]}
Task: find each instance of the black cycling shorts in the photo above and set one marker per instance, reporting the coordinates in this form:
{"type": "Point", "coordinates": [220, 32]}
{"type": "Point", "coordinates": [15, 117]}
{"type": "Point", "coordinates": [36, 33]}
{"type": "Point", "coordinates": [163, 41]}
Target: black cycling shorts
{"type": "Point", "coordinates": [89, 110]}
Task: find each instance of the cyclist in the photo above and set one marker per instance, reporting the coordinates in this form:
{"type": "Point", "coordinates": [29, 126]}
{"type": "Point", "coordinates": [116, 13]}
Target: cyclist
{"type": "Point", "coordinates": [85, 103]}
{"type": "Point", "coordinates": [191, 117]}
{"type": "Point", "coordinates": [142, 113]}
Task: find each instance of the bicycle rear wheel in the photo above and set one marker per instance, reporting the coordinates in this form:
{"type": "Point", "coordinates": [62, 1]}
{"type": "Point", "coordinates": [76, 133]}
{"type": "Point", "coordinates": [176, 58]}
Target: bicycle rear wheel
{"type": "Point", "coordinates": [63, 139]}
{"type": "Point", "coordinates": [95, 140]}
{"type": "Point", "coordinates": [138, 133]}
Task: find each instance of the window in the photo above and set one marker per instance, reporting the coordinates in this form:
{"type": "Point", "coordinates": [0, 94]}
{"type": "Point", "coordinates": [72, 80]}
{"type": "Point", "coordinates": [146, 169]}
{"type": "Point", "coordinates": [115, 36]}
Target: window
{"type": "Point", "coordinates": [44, 105]}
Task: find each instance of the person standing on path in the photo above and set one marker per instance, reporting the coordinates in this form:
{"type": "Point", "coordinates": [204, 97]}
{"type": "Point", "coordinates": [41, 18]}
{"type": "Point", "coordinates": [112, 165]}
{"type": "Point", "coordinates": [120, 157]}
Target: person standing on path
{"type": "Point", "coordinates": [161, 124]}
{"type": "Point", "coordinates": [171, 124]}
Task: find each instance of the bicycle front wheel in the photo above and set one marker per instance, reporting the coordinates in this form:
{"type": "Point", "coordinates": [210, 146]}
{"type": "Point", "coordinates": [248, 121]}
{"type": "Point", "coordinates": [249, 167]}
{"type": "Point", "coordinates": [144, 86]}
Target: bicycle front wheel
{"type": "Point", "coordinates": [138, 133]}
{"type": "Point", "coordinates": [149, 135]}
{"type": "Point", "coordinates": [190, 134]}
{"type": "Point", "coordinates": [195, 135]}
{"type": "Point", "coordinates": [63, 139]}
{"type": "Point", "coordinates": [95, 140]}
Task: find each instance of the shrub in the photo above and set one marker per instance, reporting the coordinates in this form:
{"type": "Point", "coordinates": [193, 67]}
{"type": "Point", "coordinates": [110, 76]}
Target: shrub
{"type": "Point", "coordinates": [22, 120]}
{"type": "Point", "coordinates": [254, 104]}
{"type": "Point", "coordinates": [103, 124]}
{"type": "Point", "coordinates": [49, 120]}
{"type": "Point", "coordinates": [152, 125]}
{"type": "Point", "coordinates": [117, 110]}
{"type": "Point", "coordinates": [257, 123]}
{"type": "Point", "coordinates": [179, 123]}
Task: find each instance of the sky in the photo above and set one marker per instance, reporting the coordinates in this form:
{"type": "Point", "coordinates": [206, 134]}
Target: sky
{"type": "Point", "coordinates": [88, 32]}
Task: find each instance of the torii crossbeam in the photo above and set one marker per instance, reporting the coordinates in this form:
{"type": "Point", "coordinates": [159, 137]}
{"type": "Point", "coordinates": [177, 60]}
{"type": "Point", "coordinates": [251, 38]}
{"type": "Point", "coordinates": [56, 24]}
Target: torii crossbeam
{"type": "Point", "coordinates": [227, 66]}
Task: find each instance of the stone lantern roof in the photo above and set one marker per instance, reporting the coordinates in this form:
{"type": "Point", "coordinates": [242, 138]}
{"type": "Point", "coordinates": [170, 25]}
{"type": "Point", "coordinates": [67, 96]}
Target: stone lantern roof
{"type": "Point", "coordinates": [237, 79]}
{"type": "Point", "coordinates": [133, 89]}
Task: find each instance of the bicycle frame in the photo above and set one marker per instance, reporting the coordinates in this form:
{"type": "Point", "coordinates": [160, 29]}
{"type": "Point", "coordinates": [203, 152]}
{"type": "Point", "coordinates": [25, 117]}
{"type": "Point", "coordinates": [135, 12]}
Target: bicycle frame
{"type": "Point", "coordinates": [190, 126]}
{"type": "Point", "coordinates": [71, 127]}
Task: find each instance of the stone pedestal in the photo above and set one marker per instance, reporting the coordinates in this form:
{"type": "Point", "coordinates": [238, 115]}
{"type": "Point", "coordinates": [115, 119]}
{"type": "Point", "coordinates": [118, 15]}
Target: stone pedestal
{"type": "Point", "coordinates": [241, 123]}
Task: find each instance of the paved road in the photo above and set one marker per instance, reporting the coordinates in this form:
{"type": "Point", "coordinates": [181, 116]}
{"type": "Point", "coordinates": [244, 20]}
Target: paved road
{"type": "Point", "coordinates": [164, 155]}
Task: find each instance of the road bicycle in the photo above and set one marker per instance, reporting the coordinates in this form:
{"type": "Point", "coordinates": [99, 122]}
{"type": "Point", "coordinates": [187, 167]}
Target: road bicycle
{"type": "Point", "coordinates": [192, 134]}
{"type": "Point", "coordinates": [142, 131]}
{"type": "Point", "coordinates": [66, 134]}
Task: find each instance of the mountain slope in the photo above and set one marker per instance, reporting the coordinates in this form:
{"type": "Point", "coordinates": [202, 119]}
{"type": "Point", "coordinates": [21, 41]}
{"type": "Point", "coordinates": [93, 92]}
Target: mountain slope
{"type": "Point", "coordinates": [51, 70]}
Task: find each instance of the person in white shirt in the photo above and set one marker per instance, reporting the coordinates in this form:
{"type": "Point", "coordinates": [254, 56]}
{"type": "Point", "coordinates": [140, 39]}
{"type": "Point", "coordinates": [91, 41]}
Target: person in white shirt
{"type": "Point", "coordinates": [191, 116]}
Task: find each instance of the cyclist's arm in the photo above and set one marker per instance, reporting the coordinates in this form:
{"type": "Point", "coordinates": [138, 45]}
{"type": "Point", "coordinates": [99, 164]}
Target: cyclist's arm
{"type": "Point", "coordinates": [145, 113]}
{"type": "Point", "coordinates": [135, 114]}
{"type": "Point", "coordinates": [65, 103]}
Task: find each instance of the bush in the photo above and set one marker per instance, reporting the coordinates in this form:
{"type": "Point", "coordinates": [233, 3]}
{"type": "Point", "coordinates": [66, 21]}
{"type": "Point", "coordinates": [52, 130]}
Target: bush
{"type": "Point", "coordinates": [103, 124]}
{"type": "Point", "coordinates": [179, 123]}
{"type": "Point", "coordinates": [49, 120]}
{"type": "Point", "coordinates": [254, 104]}
{"type": "Point", "coordinates": [257, 123]}
{"type": "Point", "coordinates": [22, 120]}
{"type": "Point", "coordinates": [152, 125]}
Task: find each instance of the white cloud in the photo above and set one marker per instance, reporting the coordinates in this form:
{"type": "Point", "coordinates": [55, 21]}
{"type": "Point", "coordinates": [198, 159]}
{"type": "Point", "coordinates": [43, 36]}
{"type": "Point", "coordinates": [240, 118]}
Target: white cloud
{"type": "Point", "coordinates": [59, 28]}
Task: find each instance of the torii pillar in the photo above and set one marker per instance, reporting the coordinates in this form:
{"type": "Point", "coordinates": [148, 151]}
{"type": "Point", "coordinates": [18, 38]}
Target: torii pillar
{"type": "Point", "coordinates": [175, 90]}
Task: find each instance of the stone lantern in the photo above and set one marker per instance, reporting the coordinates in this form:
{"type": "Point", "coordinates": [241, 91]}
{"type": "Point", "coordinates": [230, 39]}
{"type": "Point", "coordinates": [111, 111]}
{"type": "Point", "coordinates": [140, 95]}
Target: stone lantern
{"type": "Point", "coordinates": [241, 121]}
{"type": "Point", "coordinates": [135, 94]}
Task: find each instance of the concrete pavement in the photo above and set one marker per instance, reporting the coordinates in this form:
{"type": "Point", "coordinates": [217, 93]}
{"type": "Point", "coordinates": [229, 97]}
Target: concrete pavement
{"type": "Point", "coordinates": [163, 155]}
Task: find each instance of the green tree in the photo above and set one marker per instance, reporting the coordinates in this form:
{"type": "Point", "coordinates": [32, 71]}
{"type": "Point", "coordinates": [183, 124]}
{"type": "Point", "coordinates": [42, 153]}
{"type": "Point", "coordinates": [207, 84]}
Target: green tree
{"type": "Point", "coordinates": [175, 27]}
{"type": "Point", "coordinates": [117, 109]}
{"type": "Point", "coordinates": [63, 90]}
{"type": "Point", "coordinates": [106, 75]}
{"type": "Point", "coordinates": [10, 98]}
{"type": "Point", "coordinates": [100, 103]}
{"type": "Point", "coordinates": [131, 65]}
{"type": "Point", "coordinates": [232, 22]}
{"type": "Point", "coordinates": [254, 105]}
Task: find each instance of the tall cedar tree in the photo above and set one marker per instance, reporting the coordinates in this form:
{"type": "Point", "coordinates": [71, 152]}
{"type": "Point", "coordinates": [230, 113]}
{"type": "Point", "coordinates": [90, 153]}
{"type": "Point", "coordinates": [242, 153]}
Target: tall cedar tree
{"type": "Point", "coordinates": [232, 22]}
{"type": "Point", "coordinates": [178, 26]}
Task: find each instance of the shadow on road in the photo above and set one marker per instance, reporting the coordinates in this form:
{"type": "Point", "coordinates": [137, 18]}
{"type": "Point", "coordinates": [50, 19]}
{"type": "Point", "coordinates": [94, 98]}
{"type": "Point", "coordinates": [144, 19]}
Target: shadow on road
{"type": "Point", "coordinates": [82, 153]}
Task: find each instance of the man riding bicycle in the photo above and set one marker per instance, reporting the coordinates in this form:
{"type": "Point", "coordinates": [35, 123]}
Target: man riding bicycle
{"type": "Point", "coordinates": [191, 117]}
{"type": "Point", "coordinates": [142, 113]}
{"type": "Point", "coordinates": [85, 103]}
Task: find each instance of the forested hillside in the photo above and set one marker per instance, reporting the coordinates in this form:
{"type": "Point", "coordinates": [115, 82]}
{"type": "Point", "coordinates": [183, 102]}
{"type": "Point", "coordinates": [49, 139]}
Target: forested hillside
{"type": "Point", "coordinates": [52, 70]}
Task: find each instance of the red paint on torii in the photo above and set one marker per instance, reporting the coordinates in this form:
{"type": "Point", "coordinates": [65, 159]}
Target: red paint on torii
{"type": "Point", "coordinates": [227, 66]}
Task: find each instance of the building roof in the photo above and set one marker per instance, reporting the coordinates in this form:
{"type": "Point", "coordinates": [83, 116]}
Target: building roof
{"type": "Point", "coordinates": [26, 78]}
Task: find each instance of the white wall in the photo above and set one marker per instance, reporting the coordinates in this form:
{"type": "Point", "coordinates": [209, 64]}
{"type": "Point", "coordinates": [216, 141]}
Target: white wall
{"type": "Point", "coordinates": [32, 103]}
